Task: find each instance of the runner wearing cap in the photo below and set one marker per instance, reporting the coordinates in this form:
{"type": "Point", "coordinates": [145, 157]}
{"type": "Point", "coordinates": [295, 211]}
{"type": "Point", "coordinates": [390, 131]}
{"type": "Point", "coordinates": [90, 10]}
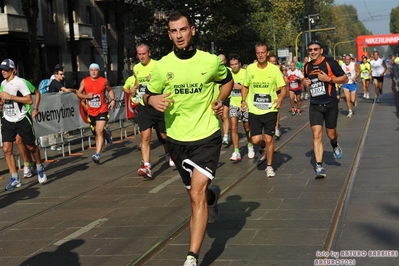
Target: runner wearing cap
{"type": "Point", "coordinates": [93, 89]}
{"type": "Point", "coordinates": [17, 120]}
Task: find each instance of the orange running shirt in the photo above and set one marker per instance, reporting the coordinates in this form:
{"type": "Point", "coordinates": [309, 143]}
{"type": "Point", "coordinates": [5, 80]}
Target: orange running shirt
{"type": "Point", "coordinates": [97, 104]}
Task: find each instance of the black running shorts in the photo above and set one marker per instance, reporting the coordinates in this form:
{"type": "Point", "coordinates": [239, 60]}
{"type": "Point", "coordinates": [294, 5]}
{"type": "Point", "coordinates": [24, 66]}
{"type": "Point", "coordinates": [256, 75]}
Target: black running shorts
{"type": "Point", "coordinates": [23, 128]}
{"type": "Point", "coordinates": [327, 113]}
{"type": "Point", "coordinates": [148, 117]}
{"type": "Point", "coordinates": [379, 79]}
{"type": "Point", "coordinates": [92, 120]}
{"type": "Point", "coordinates": [202, 155]}
{"type": "Point", "coordinates": [265, 123]}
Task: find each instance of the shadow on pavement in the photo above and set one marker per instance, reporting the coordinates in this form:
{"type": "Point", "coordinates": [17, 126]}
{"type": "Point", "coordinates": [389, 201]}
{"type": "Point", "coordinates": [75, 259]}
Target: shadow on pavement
{"type": "Point", "coordinates": [233, 219]}
{"type": "Point", "coordinates": [63, 256]}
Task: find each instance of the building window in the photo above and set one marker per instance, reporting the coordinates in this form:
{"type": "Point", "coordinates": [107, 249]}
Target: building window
{"type": "Point", "coordinates": [50, 11]}
{"type": "Point", "coordinates": [89, 19]}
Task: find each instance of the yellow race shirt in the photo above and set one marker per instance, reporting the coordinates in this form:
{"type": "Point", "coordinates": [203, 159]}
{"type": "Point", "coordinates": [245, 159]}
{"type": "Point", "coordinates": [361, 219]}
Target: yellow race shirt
{"type": "Point", "coordinates": [130, 83]}
{"type": "Point", "coordinates": [238, 77]}
{"type": "Point", "coordinates": [262, 85]}
{"type": "Point", "coordinates": [142, 72]}
{"type": "Point", "coordinates": [365, 70]}
{"type": "Point", "coordinates": [191, 83]}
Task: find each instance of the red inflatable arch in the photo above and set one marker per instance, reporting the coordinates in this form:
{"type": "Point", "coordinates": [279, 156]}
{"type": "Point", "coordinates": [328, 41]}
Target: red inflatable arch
{"type": "Point", "coordinates": [374, 40]}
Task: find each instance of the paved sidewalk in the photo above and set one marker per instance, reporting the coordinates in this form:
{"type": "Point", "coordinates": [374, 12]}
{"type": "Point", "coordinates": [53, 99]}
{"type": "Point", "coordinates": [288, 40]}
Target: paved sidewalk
{"type": "Point", "coordinates": [105, 214]}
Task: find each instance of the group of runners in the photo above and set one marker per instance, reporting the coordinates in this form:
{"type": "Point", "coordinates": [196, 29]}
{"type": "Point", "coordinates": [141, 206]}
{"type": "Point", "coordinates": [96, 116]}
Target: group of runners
{"type": "Point", "coordinates": [182, 97]}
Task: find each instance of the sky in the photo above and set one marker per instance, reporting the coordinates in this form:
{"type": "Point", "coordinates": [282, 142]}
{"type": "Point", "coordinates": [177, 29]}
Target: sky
{"type": "Point", "coordinates": [374, 14]}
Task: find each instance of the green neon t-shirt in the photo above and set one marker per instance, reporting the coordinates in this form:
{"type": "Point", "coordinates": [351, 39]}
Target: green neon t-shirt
{"type": "Point", "coordinates": [142, 72]}
{"type": "Point", "coordinates": [262, 84]}
{"type": "Point", "coordinates": [191, 83]}
{"type": "Point", "coordinates": [130, 83]}
{"type": "Point", "coordinates": [238, 77]}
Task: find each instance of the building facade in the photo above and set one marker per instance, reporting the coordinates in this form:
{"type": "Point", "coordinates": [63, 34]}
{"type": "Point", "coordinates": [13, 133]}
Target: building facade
{"type": "Point", "coordinates": [94, 38]}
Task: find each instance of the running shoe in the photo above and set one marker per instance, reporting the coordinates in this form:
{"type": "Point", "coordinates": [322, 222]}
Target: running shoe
{"type": "Point", "coordinates": [171, 162]}
{"type": "Point", "coordinates": [270, 171]}
{"type": "Point", "coordinates": [236, 156]}
{"type": "Point", "coordinates": [364, 95]}
{"type": "Point", "coordinates": [293, 112]}
{"type": "Point", "coordinates": [251, 152]}
{"type": "Point", "coordinates": [27, 172]}
{"type": "Point", "coordinates": [225, 140]}
{"type": "Point", "coordinates": [380, 91]}
{"type": "Point", "coordinates": [96, 158]}
{"type": "Point", "coordinates": [377, 100]}
{"type": "Point", "coordinates": [41, 176]}
{"type": "Point", "coordinates": [354, 103]}
{"type": "Point", "coordinates": [108, 141]}
{"type": "Point", "coordinates": [277, 133]}
{"type": "Point", "coordinates": [213, 209]}
{"type": "Point", "coordinates": [320, 172]}
{"type": "Point", "coordinates": [306, 96]}
{"type": "Point", "coordinates": [53, 147]}
{"type": "Point", "coordinates": [33, 169]}
{"type": "Point", "coordinates": [190, 261]}
{"type": "Point", "coordinates": [144, 171]}
{"type": "Point", "coordinates": [337, 152]}
{"type": "Point", "coordinates": [367, 96]}
{"type": "Point", "coordinates": [14, 182]}
{"type": "Point", "coordinates": [261, 155]}
{"type": "Point", "coordinates": [350, 113]}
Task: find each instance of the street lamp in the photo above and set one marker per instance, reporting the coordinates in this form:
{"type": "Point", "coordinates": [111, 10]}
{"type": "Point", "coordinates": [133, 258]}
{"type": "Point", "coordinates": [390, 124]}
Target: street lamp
{"type": "Point", "coordinates": [315, 30]}
{"type": "Point", "coordinates": [312, 18]}
{"type": "Point", "coordinates": [340, 43]}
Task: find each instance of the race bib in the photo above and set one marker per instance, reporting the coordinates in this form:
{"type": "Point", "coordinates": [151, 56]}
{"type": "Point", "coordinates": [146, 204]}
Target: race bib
{"type": "Point", "coordinates": [235, 93]}
{"type": "Point", "coordinates": [9, 109]}
{"type": "Point", "coordinates": [142, 89]}
{"type": "Point", "coordinates": [317, 88]}
{"type": "Point", "coordinates": [262, 101]}
{"type": "Point", "coordinates": [365, 74]}
{"type": "Point", "coordinates": [95, 102]}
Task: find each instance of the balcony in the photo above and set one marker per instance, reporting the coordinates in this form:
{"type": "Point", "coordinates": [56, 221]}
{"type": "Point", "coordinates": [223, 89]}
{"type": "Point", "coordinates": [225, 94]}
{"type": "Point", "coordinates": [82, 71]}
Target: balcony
{"type": "Point", "coordinates": [81, 31]}
{"type": "Point", "coordinates": [10, 23]}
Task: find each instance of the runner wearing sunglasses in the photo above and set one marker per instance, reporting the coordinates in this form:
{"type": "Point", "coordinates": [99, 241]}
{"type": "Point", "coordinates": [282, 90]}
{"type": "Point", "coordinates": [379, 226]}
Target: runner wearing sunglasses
{"type": "Point", "coordinates": [321, 74]}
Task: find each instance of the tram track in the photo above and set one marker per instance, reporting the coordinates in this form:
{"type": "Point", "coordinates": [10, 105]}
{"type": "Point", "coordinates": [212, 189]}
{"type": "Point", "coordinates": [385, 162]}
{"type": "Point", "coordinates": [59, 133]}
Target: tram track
{"type": "Point", "coordinates": [159, 245]}
{"type": "Point", "coordinates": [339, 215]}
{"type": "Point", "coordinates": [333, 232]}
{"type": "Point", "coordinates": [338, 221]}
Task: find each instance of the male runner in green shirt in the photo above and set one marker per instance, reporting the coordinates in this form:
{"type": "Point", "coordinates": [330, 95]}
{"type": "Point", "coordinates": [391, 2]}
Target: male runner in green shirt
{"type": "Point", "coordinates": [263, 92]}
{"type": "Point", "coordinates": [182, 86]}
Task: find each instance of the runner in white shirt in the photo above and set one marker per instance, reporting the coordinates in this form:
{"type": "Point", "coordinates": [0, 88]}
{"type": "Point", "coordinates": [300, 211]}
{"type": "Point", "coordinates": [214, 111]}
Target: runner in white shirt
{"type": "Point", "coordinates": [295, 77]}
{"type": "Point", "coordinates": [378, 69]}
{"type": "Point", "coordinates": [352, 71]}
{"type": "Point", "coordinates": [16, 120]}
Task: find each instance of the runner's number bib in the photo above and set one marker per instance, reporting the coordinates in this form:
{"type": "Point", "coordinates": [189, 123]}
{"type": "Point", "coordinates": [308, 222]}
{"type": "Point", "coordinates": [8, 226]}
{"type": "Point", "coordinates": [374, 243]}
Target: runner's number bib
{"type": "Point", "coordinates": [317, 88]}
{"type": "Point", "coordinates": [95, 102]}
{"type": "Point", "coordinates": [263, 101]}
{"type": "Point", "coordinates": [9, 109]}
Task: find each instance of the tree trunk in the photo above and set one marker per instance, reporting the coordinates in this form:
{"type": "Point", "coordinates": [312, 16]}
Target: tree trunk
{"type": "Point", "coordinates": [31, 11]}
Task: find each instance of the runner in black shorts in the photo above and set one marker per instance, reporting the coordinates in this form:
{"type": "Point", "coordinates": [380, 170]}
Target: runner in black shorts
{"type": "Point", "coordinates": [187, 97]}
{"type": "Point", "coordinates": [321, 74]}
{"type": "Point", "coordinates": [16, 120]}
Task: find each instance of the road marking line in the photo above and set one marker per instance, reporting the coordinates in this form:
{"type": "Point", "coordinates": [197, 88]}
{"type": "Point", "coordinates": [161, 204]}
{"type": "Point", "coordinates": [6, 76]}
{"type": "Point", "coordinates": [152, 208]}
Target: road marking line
{"type": "Point", "coordinates": [81, 231]}
{"type": "Point", "coordinates": [164, 184]}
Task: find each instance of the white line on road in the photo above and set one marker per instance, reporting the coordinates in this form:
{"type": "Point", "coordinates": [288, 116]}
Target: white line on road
{"type": "Point", "coordinates": [80, 231]}
{"type": "Point", "coordinates": [164, 184]}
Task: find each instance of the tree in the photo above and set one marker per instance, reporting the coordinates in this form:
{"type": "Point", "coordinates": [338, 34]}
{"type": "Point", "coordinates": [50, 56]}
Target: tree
{"type": "Point", "coordinates": [394, 20]}
{"type": "Point", "coordinates": [31, 12]}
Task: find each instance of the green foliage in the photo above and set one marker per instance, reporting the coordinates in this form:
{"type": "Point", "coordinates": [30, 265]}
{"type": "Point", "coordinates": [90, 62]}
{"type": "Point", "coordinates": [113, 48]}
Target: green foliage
{"type": "Point", "coordinates": [394, 20]}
